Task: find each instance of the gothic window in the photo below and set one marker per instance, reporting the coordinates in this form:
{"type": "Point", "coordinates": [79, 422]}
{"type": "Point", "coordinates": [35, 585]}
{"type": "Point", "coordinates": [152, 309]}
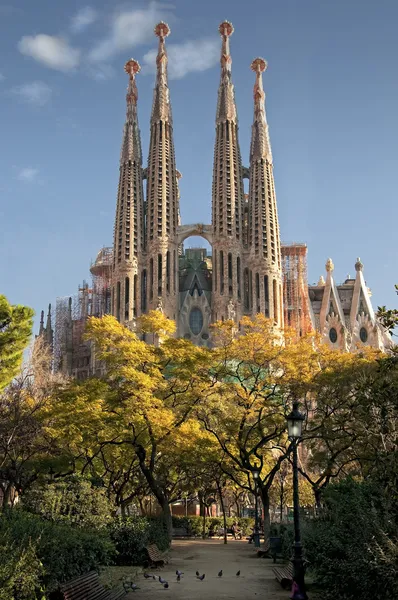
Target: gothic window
{"type": "Point", "coordinates": [258, 292]}
{"type": "Point", "coordinates": [151, 279]}
{"type": "Point", "coordinates": [333, 335]}
{"type": "Point", "coordinates": [266, 296]}
{"type": "Point", "coordinates": [221, 272]}
{"type": "Point", "coordinates": [363, 334]}
{"type": "Point", "coordinates": [126, 299]}
{"type": "Point", "coordinates": [275, 295]}
{"type": "Point", "coordinates": [246, 295]}
{"type": "Point", "coordinates": [238, 274]}
{"type": "Point", "coordinates": [230, 273]}
{"type": "Point", "coordinates": [159, 274]}
{"type": "Point", "coordinates": [118, 300]}
{"type": "Point", "coordinates": [196, 320]}
{"type": "Point", "coordinates": [143, 290]}
{"type": "Point", "coordinates": [135, 296]}
{"type": "Point", "coordinates": [168, 271]}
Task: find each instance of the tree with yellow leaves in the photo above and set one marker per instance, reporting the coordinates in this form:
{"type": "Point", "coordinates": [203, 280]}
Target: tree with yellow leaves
{"type": "Point", "coordinates": [335, 437]}
{"type": "Point", "coordinates": [255, 378]}
{"type": "Point", "coordinates": [144, 404]}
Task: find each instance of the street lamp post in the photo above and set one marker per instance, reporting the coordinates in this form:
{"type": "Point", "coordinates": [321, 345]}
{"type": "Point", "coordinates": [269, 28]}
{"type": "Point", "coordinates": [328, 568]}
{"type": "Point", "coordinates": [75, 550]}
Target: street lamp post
{"type": "Point", "coordinates": [256, 534]}
{"type": "Point", "coordinates": [295, 424]}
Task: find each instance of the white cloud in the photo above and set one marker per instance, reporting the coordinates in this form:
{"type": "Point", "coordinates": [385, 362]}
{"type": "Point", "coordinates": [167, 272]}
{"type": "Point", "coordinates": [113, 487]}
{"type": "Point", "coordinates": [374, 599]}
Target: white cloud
{"type": "Point", "coordinates": [100, 72]}
{"type": "Point", "coordinates": [187, 57]}
{"type": "Point", "coordinates": [130, 28]}
{"type": "Point", "coordinates": [2, 78]}
{"type": "Point", "coordinates": [35, 92]}
{"type": "Point", "coordinates": [52, 51]}
{"type": "Point", "coordinates": [28, 174]}
{"type": "Point", "coordinates": [83, 18]}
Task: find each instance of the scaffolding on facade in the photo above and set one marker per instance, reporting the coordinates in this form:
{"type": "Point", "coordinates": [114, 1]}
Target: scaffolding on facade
{"type": "Point", "coordinates": [101, 271]}
{"type": "Point", "coordinates": [295, 287]}
{"type": "Point", "coordinates": [71, 314]}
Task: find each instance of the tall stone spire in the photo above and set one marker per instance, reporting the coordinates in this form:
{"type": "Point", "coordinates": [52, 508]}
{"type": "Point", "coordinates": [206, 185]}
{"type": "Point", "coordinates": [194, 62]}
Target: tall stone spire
{"type": "Point", "coordinates": [48, 330]}
{"type": "Point", "coordinates": [227, 194]}
{"type": "Point", "coordinates": [41, 329]}
{"type": "Point", "coordinates": [129, 222]}
{"type": "Point", "coordinates": [159, 277]}
{"type": "Point", "coordinates": [264, 238]}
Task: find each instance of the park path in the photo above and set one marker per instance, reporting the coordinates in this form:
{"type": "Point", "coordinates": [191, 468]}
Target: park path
{"type": "Point", "coordinates": [209, 556]}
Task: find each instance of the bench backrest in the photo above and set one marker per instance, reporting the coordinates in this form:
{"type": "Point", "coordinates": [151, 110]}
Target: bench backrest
{"type": "Point", "coordinates": [85, 587]}
{"type": "Point", "coordinates": [154, 552]}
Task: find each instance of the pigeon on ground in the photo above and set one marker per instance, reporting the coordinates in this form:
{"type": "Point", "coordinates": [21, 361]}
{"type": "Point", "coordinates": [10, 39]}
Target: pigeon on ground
{"type": "Point", "coordinates": [197, 573]}
{"type": "Point", "coordinates": [179, 572]}
{"type": "Point", "coordinates": [220, 573]}
{"type": "Point", "coordinates": [165, 585]}
{"type": "Point", "coordinates": [162, 580]}
{"type": "Point", "coordinates": [154, 577]}
{"type": "Point", "coordinates": [126, 585]}
{"type": "Point", "coordinates": [178, 578]}
{"type": "Point", "coordinates": [238, 573]}
{"type": "Point", "coordinates": [147, 576]}
{"type": "Point", "coordinates": [134, 587]}
{"type": "Point", "coordinates": [201, 577]}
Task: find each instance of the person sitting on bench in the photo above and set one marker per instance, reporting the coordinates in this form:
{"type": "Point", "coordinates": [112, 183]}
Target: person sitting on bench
{"type": "Point", "coordinates": [236, 531]}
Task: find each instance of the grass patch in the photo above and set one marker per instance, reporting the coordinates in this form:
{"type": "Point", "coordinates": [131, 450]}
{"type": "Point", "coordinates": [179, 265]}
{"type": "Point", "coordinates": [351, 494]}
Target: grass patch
{"type": "Point", "coordinates": [112, 577]}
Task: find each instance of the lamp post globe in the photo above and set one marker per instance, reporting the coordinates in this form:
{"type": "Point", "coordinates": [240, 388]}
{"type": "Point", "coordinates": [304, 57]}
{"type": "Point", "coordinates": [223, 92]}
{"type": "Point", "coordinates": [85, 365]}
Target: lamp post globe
{"type": "Point", "coordinates": [256, 534]}
{"type": "Point", "coordinates": [295, 421]}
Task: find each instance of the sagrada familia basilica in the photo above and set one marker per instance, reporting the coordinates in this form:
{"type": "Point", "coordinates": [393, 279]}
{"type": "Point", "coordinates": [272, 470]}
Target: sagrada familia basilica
{"type": "Point", "coordinates": [249, 270]}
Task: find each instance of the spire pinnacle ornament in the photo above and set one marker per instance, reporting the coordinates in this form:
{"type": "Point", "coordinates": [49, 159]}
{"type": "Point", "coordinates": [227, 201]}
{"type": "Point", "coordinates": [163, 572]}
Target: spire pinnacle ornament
{"type": "Point", "coordinates": [161, 109]}
{"type": "Point", "coordinates": [261, 146]}
{"type": "Point", "coordinates": [226, 29]}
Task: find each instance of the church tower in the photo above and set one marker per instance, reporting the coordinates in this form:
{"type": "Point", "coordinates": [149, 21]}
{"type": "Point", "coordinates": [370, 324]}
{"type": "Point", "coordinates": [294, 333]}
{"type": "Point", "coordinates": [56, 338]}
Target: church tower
{"type": "Point", "coordinates": [159, 276]}
{"type": "Point", "coordinates": [264, 253]}
{"type": "Point", "coordinates": [128, 232]}
{"type": "Point", "coordinates": [227, 196]}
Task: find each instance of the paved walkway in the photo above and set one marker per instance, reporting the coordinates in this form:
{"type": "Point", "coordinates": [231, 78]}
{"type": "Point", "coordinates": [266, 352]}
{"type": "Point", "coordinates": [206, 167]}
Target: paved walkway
{"type": "Point", "coordinates": [209, 556]}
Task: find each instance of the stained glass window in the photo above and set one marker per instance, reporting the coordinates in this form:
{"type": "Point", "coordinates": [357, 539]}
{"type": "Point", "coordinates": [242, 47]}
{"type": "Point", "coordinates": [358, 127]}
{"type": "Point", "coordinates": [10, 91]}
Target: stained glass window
{"type": "Point", "coordinates": [196, 320]}
{"type": "Point", "coordinates": [333, 335]}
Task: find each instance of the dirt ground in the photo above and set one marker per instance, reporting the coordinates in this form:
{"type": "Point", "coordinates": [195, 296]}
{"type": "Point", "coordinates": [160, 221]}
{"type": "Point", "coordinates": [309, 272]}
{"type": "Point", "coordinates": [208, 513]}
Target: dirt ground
{"type": "Point", "coordinates": [209, 556]}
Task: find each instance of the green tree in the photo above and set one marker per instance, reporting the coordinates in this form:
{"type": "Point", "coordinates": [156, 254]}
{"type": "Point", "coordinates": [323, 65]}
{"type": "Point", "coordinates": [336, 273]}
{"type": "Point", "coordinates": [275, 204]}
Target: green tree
{"type": "Point", "coordinates": [255, 378]}
{"type": "Point", "coordinates": [147, 395]}
{"type": "Point", "coordinates": [15, 330]}
{"type": "Point", "coordinates": [25, 448]}
{"type": "Point", "coordinates": [388, 316]}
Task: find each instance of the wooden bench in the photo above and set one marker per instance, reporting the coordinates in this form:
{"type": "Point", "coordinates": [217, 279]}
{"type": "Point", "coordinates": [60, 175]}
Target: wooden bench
{"type": "Point", "coordinates": [263, 551]}
{"type": "Point", "coordinates": [181, 532]}
{"type": "Point", "coordinates": [88, 587]}
{"type": "Point", "coordinates": [220, 533]}
{"type": "Point", "coordinates": [276, 547]}
{"type": "Point", "coordinates": [156, 557]}
{"type": "Point", "coordinates": [284, 575]}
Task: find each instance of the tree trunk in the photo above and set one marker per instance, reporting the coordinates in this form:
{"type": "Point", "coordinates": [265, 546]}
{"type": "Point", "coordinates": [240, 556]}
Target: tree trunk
{"type": "Point", "coordinates": [224, 516]}
{"type": "Point", "coordinates": [318, 496]}
{"type": "Point", "coordinates": [281, 502]}
{"type": "Point", "coordinates": [7, 490]}
{"type": "Point", "coordinates": [267, 520]}
{"type": "Point", "coordinates": [158, 492]}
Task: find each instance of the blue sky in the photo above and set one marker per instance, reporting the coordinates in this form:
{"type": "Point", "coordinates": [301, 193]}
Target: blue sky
{"type": "Point", "coordinates": [332, 98]}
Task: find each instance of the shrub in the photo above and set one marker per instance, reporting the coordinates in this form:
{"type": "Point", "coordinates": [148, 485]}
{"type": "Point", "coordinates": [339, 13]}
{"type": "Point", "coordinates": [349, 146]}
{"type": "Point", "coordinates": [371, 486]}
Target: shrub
{"type": "Point", "coordinates": [73, 500]}
{"type": "Point", "coordinates": [63, 551]}
{"type": "Point", "coordinates": [21, 570]}
{"type": "Point", "coordinates": [132, 534]}
{"type": "Point", "coordinates": [352, 546]}
{"type": "Point", "coordinates": [194, 524]}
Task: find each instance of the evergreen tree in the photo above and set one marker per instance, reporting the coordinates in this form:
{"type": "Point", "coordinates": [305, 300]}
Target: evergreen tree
{"type": "Point", "coordinates": [15, 330]}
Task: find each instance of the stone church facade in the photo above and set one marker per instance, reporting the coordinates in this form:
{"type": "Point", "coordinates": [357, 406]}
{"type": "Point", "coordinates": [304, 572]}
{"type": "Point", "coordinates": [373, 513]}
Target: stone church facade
{"type": "Point", "coordinates": [248, 271]}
